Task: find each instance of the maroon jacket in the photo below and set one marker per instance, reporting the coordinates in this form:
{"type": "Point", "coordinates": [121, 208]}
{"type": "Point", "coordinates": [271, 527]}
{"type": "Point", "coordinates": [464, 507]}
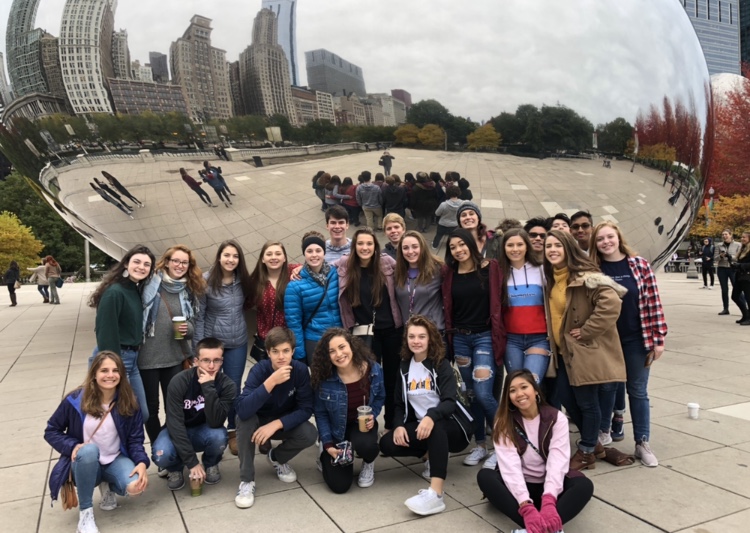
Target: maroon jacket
{"type": "Point", "coordinates": [191, 182]}
{"type": "Point", "coordinates": [496, 318]}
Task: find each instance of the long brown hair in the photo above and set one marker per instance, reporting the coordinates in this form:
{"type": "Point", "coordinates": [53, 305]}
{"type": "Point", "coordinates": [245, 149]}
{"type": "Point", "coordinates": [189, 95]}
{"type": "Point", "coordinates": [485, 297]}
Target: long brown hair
{"type": "Point", "coordinates": [596, 255]}
{"type": "Point", "coordinates": [428, 264]}
{"type": "Point", "coordinates": [354, 271]}
{"type": "Point", "coordinates": [259, 278]}
{"type": "Point", "coordinates": [435, 346]}
{"type": "Point", "coordinates": [91, 395]}
{"type": "Point", "coordinates": [215, 273]}
{"type": "Point", "coordinates": [321, 368]}
{"type": "Point", "coordinates": [745, 247]}
{"type": "Point", "coordinates": [115, 274]}
{"type": "Point", "coordinates": [530, 257]}
{"type": "Point", "coordinates": [51, 261]}
{"type": "Point", "coordinates": [576, 259]}
{"type": "Point", "coordinates": [503, 428]}
{"type": "Point", "coordinates": [196, 285]}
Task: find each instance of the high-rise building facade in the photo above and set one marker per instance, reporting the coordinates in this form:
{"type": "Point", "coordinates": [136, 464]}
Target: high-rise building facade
{"type": "Point", "coordinates": [6, 94]}
{"type": "Point", "coordinates": [86, 54]}
{"type": "Point", "coordinates": [23, 49]}
{"type": "Point", "coordinates": [330, 73]}
{"type": "Point", "coordinates": [136, 96]}
{"type": "Point", "coordinates": [50, 50]}
{"type": "Point", "coordinates": [745, 31]}
{"type": "Point", "coordinates": [305, 105]}
{"type": "Point", "coordinates": [286, 15]}
{"type": "Point", "coordinates": [235, 89]}
{"type": "Point", "coordinates": [717, 24]}
{"type": "Point", "coordinates": [121, 54]}
{"type": "Point", "coordinates": [386, 103]}
{"type": "Point", "coordinates": [404, 96]}
{"type": "Point", "coordinates": [264, 71]}
{"type": "Point", "coordinates": [326, 109]}
{"type": "Point", "coordinates": [201, 70]}
{"type": "Point", "coordinates": [349, 110]}
{"type": "Point", "coordinates": [141, 72]}
{"type": "Point", "coordinates": [159, 66]}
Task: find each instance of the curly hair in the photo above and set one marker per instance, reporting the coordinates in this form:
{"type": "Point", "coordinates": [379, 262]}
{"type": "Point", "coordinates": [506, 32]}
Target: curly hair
{"type": "Point", "coordinates": [435, 346]}
{"type": "Point", "coordinates": [115, 274]}
{"type": "Point", "coordinates": [91, 399]}
{"type": "Point", "coordinates": [196, 285]}
{"type": "Point", "coordinates": [321, 368]}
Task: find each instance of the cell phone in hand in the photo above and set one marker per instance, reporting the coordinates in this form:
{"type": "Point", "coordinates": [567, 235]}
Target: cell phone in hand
{"type": "Point", "coordinates": [649, 359]}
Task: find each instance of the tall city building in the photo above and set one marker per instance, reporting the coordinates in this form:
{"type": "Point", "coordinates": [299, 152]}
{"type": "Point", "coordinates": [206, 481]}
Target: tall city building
{"type": "Point", "coordinates": [330, 73]}
{"type": "Point", "coordinates": [404, 96]}
{"type": "Point", "coordinates": [23, 49]}
{"type": "Point", "coordinates": [50, 50]}
{"type": "Point", "coordinates": [202, 72]}
{"type": "Point", "coordinates": [745, 31]}
{"type": "Point", "coordinates": [159, 67]}
{"type": "Point", "coordinates": [717, 24]}
{"type": "Point", "coordinates": [235, 89]}
{"type": "Point", "coordinates": [264, 71]}
{"type": "Point", "coordinates": [121, 54]}
{"type": "Point", "coordinates": [5, 91]}
{"type": "Point", "coordinates": [136, 96]}
{"type": "Point", "coordinates": [286, 15]}
{"type": "Point", "coordinates": [86, 32]}
{"type": "Point", "coordinates": [141, 72]}
{"type": "Point", "coordinates": [386, 103]}
{"type": "Point", "coordinates": [305, 105]}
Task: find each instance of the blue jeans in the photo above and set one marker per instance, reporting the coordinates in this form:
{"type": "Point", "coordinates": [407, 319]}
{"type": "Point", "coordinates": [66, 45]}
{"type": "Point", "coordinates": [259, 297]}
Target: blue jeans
{"type": "Point", "coordinates": [88, 473]}
{"type": "Point", "coordinates": [130, 361]}
{"type": "Point", "coordinates": [516, 357]}
{"type": "Point", "coordinates": [234, 367]}
{"type": "Point", "coordinates": [210, 441]}
{"type": "Point", "coordinates": [43, 290]}
{"type": "Point", "coordinates": [472, 353]}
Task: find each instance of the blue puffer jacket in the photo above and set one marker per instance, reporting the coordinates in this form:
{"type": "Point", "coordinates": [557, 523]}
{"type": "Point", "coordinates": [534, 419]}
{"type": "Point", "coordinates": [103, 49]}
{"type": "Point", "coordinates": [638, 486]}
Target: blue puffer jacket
{"type": "Point", "coordinates": [300, 300]}
{"type": "Point", "coordinates": [65, 431]}
{"type": "Point", "coordinates": [331, 404]}
{"type": "Point", "coordinates": [220, 315]}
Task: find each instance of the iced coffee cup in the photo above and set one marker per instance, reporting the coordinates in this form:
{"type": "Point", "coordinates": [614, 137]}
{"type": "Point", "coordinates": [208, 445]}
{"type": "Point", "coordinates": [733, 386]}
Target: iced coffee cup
{"type": "Point", "coordinates": [176, 323]}
{"type": "Point", "coordinates": [364, 412]}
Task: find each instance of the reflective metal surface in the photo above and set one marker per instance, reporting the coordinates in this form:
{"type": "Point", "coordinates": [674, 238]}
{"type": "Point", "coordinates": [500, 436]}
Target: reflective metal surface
{"type": "Point", "coordinates": [639, 60]}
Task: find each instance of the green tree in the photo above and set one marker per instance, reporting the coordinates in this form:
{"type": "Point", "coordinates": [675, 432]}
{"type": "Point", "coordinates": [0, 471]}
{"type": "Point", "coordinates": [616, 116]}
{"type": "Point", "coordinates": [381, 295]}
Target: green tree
{"type": "Point", "coordinates": [509, 127]}
{"type": "Point", "coordinates": [613, 137]}
{"type": "Point", "coordinates": [432, 136]}
{"type": "Point", "coordinates": [484, 138]}
{"type": "Point", "coordinates": [428, 112]}
{"type": "Point", "coordinates": [283, 123]}
{"type": "Point", "coordinates": [17, 242]}
{"type": "Point", "coordinates": [564, 129]}
{"type": "Point", "coordinates": [407, 135]}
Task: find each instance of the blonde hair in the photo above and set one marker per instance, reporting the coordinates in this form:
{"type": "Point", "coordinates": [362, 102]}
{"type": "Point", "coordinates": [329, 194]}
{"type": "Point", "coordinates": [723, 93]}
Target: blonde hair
{"type": "Point", "coordinates": [596, 256]}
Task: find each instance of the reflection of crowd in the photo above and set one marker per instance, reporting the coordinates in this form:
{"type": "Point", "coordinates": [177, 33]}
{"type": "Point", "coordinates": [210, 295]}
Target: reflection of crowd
{"type": "Point", "coordinates": [360, 330]}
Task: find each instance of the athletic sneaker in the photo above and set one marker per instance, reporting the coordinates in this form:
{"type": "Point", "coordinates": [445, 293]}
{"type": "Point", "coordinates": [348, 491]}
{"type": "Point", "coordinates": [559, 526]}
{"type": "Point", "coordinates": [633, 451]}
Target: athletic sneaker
{"type": "Point", "coordinates": [366, 475]}
{"type": "Point", "coordinates": [475, 456]}
{"type": "Point", "coordinates": [491, 461]}
{"type": "Point", "coordinates": [285, 472]}
{"type": "Point", "coordinates": [175, 480]}
{"type": "Point", "coordinates": [109, 498]}
{"type": "Point", "coordinates": [86, 523]}
{"type": "Point", "coordinates": [617, 432]}
{"type": "Point", "coordinates": [426, 502]}
{"type": "Point", "coordinates": [245, 495]}
{"type": "Point", "coordinates": [605, 438]}
{"type": "Point", "coordinates": [426, 472]}
{"type": "Point", "coordinates": [213, 476]}
{"type": "Point", "coordinates": [644, 453]}
{"type": "Point", "coordinates": [162, 472]}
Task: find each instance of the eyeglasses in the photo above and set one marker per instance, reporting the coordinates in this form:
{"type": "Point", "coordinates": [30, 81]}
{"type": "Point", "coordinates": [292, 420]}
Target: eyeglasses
{"type": "Point", "coordinates": [535, 235]}
{"type": "Point", "coordinates": [177, 262]}
{"type": "Point", "coordinates": [215, 362]}
{"type": "Point", "coordinates": [576, 227]}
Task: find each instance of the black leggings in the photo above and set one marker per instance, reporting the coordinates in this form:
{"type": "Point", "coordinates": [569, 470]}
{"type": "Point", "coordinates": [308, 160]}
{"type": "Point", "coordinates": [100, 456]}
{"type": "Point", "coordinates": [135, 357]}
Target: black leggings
{"type": "Point", "coordinates": [707, 270]}
{"type": "Point", "coordinates": [339, 478]}
{"type": "Point", "coordinates": [222, 194]}
{"type": "Point", "coordinates": [577, 492]}
{"type": "Point", "coordinates": [203, 195]}
{"type": "Point", "coordinates": [386, 345]}
{"type": "Point", "coordinates": [446, 437]}
{"type": "Point", "coordinates": [152, 379]}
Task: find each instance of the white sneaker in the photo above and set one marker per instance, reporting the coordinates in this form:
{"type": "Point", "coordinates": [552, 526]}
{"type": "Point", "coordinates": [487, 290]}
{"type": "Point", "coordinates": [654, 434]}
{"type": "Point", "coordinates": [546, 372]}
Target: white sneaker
{"type": "Point", "coordinates": [491, 461]}
{"type": "Point", "coordinates": [426, 472]}
{"type": "Point", "coordinates": [109, 498]}
{"type": "Point", "coordinates": [426, 502]}
{"type": "Point", "coordinates": [475, 456]}
{"type": "Point", "coordinates": [245, 495]}
{"type": "Point", "coordinates": [86, 523]}
{"type": "Point", "coordinates": [285, 472]}
{"type": "Point", "coordinates": [605, 438]}
{"type": "Point", "coordinates": [366, 475]}
{"type": "Point", "coordinates": [644, 453]}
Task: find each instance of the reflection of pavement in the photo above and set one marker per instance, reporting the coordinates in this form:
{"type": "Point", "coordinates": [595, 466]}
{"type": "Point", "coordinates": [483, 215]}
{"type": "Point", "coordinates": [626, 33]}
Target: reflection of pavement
{"type": "Point", "coordinates": [278, 203]}
{"type": "Point", "coordinates": [700, 486]}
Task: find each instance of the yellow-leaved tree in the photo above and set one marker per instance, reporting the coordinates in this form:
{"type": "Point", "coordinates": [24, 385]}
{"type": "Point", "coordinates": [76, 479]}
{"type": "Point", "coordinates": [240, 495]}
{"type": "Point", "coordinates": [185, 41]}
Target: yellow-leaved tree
{"type": "Point", "coordinates": [407, 135]}
{"type": "Point", "coordinates": [17, 243]}
{"type": "Point", "coordinates": [731, 212]}
{"type": "Point", "coordinates": [484, 138]}
{"type": "Point", "coordinates": [432, 136]}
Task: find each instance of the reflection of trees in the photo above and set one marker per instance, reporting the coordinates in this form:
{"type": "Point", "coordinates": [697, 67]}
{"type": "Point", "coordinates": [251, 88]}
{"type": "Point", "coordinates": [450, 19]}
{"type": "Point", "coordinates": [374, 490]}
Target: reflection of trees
{"type": "Point", "coordinates": [433, 112]}
{"type": "Point", "coordinates": [550, 128]}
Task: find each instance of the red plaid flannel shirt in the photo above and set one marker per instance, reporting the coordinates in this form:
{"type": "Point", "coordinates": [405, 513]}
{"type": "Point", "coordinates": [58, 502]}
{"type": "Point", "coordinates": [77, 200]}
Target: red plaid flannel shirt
{"type": "Point", "coordinates": [652, 314]}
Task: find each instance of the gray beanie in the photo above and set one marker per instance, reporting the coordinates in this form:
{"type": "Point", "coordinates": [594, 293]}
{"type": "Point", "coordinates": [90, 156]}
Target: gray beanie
{"type": "Point", "coordinates": [468, 206]}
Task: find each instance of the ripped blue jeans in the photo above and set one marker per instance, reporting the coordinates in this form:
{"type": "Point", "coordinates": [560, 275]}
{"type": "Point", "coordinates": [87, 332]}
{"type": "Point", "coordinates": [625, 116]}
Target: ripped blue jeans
{"type": "Point", "coordinates": [476, 362]}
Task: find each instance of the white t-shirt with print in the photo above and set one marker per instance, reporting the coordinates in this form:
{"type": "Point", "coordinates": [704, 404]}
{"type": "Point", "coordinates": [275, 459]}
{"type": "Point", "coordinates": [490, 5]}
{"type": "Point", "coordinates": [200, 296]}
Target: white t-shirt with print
{"type": "Point", "coordinates": [421, 389]}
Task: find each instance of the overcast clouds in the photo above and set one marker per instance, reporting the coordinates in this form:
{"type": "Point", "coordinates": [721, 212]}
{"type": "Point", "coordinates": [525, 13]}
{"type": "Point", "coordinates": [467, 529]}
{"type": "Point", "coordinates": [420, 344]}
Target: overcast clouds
{"type": "Point", "coordinates": [603, 58]}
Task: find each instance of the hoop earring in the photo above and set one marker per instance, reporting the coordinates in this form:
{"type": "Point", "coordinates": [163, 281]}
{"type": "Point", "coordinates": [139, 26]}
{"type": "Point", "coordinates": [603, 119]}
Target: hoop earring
{"type": "Point", "coordinates": [125, 273]}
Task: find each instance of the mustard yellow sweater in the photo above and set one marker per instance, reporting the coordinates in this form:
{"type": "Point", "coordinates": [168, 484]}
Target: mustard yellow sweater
{"type": "Point", "coordinates": [557, 301]}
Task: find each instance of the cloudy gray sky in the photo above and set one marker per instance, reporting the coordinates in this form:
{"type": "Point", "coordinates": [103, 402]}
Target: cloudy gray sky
{"type": "Point", "coordinates": [603, 58]}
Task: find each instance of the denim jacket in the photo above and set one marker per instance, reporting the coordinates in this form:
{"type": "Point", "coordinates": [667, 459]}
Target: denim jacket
{"type": "Point", "coordinates": [331, 403]}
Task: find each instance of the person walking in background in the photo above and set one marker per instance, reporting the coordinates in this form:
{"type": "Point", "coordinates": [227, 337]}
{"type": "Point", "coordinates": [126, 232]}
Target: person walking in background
{"type": "Point", "coordinates": [196, 187]}
{"type": "Point", "coordinates": [53, 272]}
{"type": "Point", "coordinates": [707, 262]}
{"type": "Point", "coordinates": [217, 185]}
{"type": "Point", "coordinates": [42, 284]}
{"type": "Point", "coordinates": [386, 161]}
{"type": "Point", "coordinates": [370, 197]}
{"type": "Point", "coordinates": [726, 253]}
{"type": "Point", "coordinates": [215, 173]}
{"type": "Point", "coordinates": [120, 187]}
{"type": "Point", "coordinates": [742, 276]}
{"type": "Point", "coordinates": [11, 278]}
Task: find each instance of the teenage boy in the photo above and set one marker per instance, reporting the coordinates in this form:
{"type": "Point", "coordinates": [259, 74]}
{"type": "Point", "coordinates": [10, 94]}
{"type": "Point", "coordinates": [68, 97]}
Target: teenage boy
{"type": "Point", "coordinates": [197, 404]}
{"type": "Point", "coordinates": [276, 404]}
{"type": "Point", "coordinates": [337, 222]}
{"type": "Point", "coordinates": [537, 229]}
{"type": "Point", "coordinates": [581, 226]}
{"type": "Point", "coordinates": [370, 198]}
{"type": "Point", "coordinates": [394, 227]}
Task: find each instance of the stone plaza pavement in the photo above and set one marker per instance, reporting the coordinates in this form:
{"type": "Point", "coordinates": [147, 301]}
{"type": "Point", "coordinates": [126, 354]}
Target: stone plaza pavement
{"type": "Point", "coordinates": [702, 484]}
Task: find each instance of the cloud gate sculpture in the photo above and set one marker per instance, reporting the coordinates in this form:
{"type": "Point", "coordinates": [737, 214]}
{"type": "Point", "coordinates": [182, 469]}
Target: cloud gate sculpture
{"type": "Point", "coordinates": [636, 61]}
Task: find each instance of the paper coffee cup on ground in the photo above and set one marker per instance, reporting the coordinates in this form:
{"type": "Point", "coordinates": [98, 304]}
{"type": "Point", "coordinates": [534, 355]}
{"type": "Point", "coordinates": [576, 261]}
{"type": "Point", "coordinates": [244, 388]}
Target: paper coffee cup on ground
{"type": "Point", "coordinates": [176, 323]}
{"type": "Point", "coordinates": [693, 410]}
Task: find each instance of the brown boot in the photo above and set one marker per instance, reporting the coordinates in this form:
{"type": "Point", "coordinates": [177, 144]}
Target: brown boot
{"type": "Point", "coordinates": [46, 301]}
{"type": "Point", "coordinates": [232, 444]}
{"type": "Point", "coordinates": [13, 300]}
{"type": "Point", "coordinates": [599, 452]}
{"type": "Point", "coordinates": [582, 461]}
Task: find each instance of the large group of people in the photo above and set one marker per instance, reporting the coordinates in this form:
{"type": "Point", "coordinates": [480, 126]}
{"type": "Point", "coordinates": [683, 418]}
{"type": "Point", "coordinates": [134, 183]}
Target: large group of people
{"type": "Point", "coordinates": [365, 329]}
